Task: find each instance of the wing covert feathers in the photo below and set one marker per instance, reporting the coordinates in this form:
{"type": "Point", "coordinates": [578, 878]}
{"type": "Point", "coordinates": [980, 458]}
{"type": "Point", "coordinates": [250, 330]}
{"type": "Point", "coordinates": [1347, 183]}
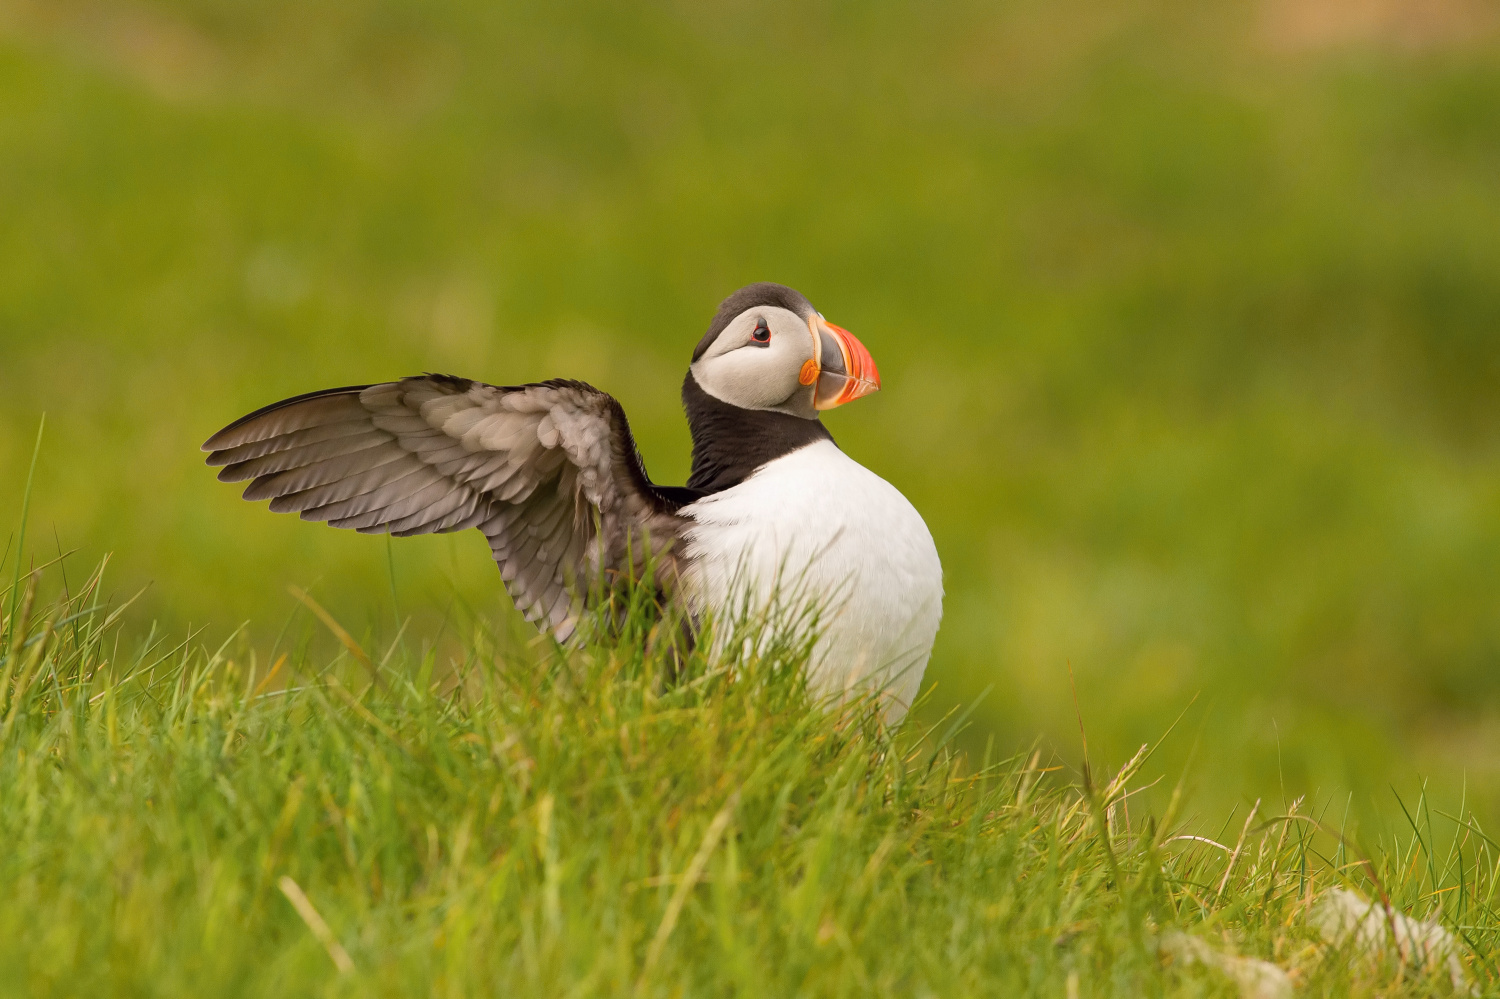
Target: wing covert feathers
{"type": "Point", "coordinates": [549, 472]}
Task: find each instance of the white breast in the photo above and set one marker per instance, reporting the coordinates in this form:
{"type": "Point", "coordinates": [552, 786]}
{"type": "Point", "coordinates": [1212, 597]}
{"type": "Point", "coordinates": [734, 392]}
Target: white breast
{"type": "Point", "coordinates": [816, 525]}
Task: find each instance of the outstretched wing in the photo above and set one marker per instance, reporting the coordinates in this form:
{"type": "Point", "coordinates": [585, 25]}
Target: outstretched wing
{"type": "Point", "coordinates": [549, 472]}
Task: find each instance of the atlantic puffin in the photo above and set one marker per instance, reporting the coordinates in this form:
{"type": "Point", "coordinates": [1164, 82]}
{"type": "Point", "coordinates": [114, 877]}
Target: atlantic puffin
{"type": "Point", "coordinates": [550, 473]}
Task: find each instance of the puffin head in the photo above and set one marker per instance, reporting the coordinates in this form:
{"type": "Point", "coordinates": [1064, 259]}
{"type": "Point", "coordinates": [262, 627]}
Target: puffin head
{"type": "Point", "coordinates": [769, 350]}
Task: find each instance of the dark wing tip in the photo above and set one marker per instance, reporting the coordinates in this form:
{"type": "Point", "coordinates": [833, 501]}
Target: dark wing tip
{"type": "Point", "coordinates": [226, 438]}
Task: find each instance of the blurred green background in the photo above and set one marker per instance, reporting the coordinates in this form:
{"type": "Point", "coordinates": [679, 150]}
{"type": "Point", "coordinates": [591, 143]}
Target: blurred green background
{"type": "Point", "coordinates": [1188, 317]}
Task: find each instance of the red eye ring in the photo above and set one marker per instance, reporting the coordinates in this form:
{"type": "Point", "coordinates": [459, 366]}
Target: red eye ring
{"type": "Point", "coordinates": [762, 332]}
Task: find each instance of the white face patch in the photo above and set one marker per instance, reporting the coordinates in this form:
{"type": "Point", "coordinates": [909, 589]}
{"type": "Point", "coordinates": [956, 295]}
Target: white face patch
{"type": "Point", "coordinates": [757, 362]}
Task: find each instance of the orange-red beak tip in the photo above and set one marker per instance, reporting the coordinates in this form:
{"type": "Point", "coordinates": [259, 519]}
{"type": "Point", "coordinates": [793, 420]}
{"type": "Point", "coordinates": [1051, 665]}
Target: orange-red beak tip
{"type": "Point", "coordinates": [851, 375]}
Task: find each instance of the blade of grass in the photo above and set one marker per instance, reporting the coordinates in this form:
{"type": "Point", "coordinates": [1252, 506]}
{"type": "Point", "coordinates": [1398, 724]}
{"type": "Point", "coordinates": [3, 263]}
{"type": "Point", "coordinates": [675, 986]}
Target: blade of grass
{"type": "Point", "coordinates": [15, 583]}
{"type": "Point", "coordinates": [689, 879]}
{"type": "Point", "coordinates": [346, 639]}
{"type": "Point", "coordinates": [295, 895]}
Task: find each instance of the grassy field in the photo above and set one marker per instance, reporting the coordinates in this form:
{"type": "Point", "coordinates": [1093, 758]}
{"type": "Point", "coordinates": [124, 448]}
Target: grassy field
{"type": "Point", "coordinates": [522, 821]}
{"type": "Point", "coordinates": [1186, 315]}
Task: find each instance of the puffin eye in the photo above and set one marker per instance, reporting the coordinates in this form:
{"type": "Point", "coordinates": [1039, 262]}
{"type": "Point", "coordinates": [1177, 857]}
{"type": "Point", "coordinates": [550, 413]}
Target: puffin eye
{"type": "Point", "coordinates": [762, 332]}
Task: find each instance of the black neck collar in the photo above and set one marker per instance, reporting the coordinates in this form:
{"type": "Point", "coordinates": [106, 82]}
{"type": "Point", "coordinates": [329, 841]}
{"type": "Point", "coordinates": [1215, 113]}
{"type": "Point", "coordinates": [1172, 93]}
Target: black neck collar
{"type": "Point", "coordinates": [729, 443]}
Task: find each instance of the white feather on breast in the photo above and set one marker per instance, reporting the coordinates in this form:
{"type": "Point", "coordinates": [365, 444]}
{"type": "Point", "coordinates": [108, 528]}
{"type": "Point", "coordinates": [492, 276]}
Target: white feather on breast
{"type": "Point", "coordinates": [817, 524]}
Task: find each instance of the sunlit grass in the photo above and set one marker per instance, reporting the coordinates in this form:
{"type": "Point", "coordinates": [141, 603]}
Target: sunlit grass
{"type": "Point", "coordinates": [513, 818]}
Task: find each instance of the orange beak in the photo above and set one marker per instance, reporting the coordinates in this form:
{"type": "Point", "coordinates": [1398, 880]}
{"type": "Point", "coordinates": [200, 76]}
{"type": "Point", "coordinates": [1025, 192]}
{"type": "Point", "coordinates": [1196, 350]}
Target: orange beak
{"type": "Point", "coordinates": [842, 368]}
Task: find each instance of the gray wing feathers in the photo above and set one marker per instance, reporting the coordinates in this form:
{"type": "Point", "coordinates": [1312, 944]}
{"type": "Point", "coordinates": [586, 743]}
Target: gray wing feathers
{"type": "Point", "coordinates": [297, 438]}
{"type": "Point", "coordinates": [548, 472]}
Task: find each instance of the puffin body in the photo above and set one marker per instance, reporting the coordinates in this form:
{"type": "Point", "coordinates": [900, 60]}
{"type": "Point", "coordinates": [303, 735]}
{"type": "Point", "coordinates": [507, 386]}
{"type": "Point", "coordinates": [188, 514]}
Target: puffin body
{"type": "Point", "coordinates": [774, 520]}
{"type": "Point", "coordinates": [815, 527]}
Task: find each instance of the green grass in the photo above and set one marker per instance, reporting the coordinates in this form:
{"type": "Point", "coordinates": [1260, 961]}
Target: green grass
{"type": "Point", "coordinates": [510, 818]}
{"type": "Point", "coordinates": [1187, 337]}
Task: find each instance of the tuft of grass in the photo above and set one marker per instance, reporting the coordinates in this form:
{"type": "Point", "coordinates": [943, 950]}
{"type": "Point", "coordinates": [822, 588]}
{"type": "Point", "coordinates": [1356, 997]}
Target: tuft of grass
{"type": "Point", "coordinates": [515, 819]}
